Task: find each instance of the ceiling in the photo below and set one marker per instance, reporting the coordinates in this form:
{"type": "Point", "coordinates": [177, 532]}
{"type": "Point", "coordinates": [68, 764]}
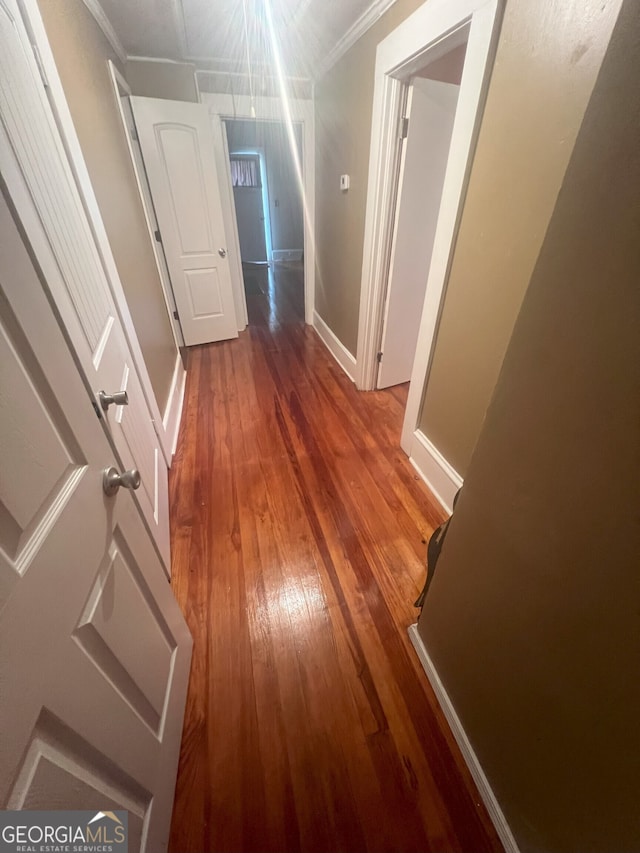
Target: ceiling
{"type": "Point", "coordinates": [212, 32]}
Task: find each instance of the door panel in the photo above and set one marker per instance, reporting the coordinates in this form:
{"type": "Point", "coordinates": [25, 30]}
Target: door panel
{"type": "Point", "coordinates": [94, 652]}
{"type": "Point", "coordinates": [42, 188]}
{"type": "Point", "coordinates": [176, 139]}
{"type": "Point", "coordinates": [424, 162]}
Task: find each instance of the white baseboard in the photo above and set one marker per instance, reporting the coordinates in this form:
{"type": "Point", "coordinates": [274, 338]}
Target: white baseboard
{"type": "Point", "coordinates": [173, 411]}
{"type": "Point", "coordinates": [287, 254]}
{"type": "Point", "coordinates": [337, 349]}
{"type": "Point", "coordinates": [434, 469]}
{"type": "Point", "coordinates": [488, 797]}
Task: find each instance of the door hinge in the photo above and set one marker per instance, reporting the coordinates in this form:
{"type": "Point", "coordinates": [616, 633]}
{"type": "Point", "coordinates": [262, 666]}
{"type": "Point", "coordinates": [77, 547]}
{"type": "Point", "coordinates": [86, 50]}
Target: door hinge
{"type": "Point", "coordinates": [379, 357]}
{"type": "Point", "coordinates": [175, 315]}
{"type": "Point", "coordinates": [134, 135]}
{"type": "Point", "coordinates": [157, 235]}
{"type": "Point", "coordinates": [40, 64]}
{"type": "Point", "coordinates": [404, 127]}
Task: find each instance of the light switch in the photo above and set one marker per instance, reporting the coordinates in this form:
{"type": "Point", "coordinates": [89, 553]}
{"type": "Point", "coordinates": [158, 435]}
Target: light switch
{"type": "Point", "coordinates": [344, 183]}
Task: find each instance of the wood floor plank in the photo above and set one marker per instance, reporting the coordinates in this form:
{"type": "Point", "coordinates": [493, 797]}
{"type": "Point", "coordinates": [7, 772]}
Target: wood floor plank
{"type": "Point", "coordinates": [299, 534]}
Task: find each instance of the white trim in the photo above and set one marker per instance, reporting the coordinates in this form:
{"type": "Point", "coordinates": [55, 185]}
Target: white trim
{"type": "Point", "coordinates": [335, 346]}
{"type": "Point", "coordinates": [211, 72]}
{"type": "Point", "coordinates": [222, 106]}
{"type": "Point", "coordinates": [120, 84]}
{"type": "Point", "coordinates": [366, 20]}
{"type": "Point", "coordinates": [287, 254]}
{"type": "Point", "coordinates": [470, 758]}
{"type": "Point", "coordinates": [443, 481]}
{"type": "Point", "coordinates": [85, 188]}
{"type": "Point", "coordinates": [105, 25]}
{"type": "Point", "coordinates": [436, 27]}
{"type": "Point", "coordinates": [173, 411]}
{"type": "Point", "coordinates": [133, 57]}
{"type": "Point", "coordinates": [227, 199]}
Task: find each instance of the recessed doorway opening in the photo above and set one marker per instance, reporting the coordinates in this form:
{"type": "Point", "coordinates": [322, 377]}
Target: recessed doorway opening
{"type": "Point", "coordinates": [269, 216]}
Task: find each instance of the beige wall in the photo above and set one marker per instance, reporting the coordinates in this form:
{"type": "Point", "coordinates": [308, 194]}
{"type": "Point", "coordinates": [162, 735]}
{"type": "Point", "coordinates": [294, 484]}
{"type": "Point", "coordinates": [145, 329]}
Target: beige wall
{"type": "Point", "coordinates": [546, 63]}
{"type": "Point", "coordinates": [344, 99]}
{"type": "Point", "coordinates": [174, 81]}
{"type": "Point", "coordinates": [547, 58]}
{"type": "Point", "coordinates": [532, 619]}
{"type": "Point", "coordinates": [81, 53]}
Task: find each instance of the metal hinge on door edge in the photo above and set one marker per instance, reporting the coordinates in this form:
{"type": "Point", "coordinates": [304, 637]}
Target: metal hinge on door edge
{"type": "Point", "coordinates": [40, 64]}
{"type": "Point", "coordinates": [404, 127]}
{"type": "Point", "coordinates": [379, 357]}
{"type": "Point", "coordinates": [158, 235]}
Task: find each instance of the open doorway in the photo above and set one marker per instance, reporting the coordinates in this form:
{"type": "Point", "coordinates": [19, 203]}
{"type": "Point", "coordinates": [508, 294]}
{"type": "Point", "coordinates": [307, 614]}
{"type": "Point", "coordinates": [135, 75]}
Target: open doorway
{"type": "Point", "coordinates": [431, 100]}
{"type": "Point", "coordinates": [269, 216]}
{"type": "Point", "coordinates": [435, 34]}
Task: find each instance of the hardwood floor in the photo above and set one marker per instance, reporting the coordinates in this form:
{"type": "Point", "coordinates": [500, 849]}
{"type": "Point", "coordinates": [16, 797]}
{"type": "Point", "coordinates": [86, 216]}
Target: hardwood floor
{"type": "Point", "coordinates": [299, 538]}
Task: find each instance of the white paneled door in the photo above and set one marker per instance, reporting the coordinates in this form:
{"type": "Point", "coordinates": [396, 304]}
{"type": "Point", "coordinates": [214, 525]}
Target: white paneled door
{"type": "Point", "coordinates": [94, 652]}
{"type": "Point", "coordinates": [39, 180]}
{"type": "Point", "coordinates": [177, 145]}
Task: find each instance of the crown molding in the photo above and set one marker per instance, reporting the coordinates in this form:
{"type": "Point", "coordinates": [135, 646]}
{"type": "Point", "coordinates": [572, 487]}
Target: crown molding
{"type": "Point", "coordinates": [366, 20]}
{"type": "Point", "coordinates": [132, 57]}
{"type": "Point", "coordinates": [105, 25]}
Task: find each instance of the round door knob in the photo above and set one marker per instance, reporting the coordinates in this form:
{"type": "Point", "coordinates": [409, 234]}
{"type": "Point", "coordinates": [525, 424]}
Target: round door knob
{"type": "Point", "coordinates": [119, 398]}
{"type": "Point", "coordinates": [222, 253]}
{"type": "Point", "coordinates": [112, 480]}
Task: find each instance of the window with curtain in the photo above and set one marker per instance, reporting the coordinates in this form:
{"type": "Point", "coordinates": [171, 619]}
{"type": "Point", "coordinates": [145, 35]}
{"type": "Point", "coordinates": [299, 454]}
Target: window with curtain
{"type": "Point", "coordinates": [245, 172]}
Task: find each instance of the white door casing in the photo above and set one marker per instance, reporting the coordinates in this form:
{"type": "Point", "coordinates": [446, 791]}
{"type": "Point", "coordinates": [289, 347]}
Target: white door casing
{"type": "Point", "coordinates": [225, 106]}
{"type": "Point", "coordinates": [57, 99]}
{"type": "Point", "coordinates": [94, 652]}
{"type": "Point", "coordinates": [177, 145]}
{"type": "Point", "coordinates": [43, 191]}
{"type": "Point", "coordinates": [122, 93]}
{"type": "Point", "coordinates": [431, 110]}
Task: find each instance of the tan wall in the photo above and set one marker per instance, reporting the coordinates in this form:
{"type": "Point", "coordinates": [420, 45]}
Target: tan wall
{"type": "Point", "coordinates": [546, 63]}
{"type": "Point", "coordinates": [344, 98]}
{"type": "Point", "coordinates": [81, 53]}
{"type": "Point", "coordinates": [173, 81]}
{"type": "Point", "coordinates": [532, 619]}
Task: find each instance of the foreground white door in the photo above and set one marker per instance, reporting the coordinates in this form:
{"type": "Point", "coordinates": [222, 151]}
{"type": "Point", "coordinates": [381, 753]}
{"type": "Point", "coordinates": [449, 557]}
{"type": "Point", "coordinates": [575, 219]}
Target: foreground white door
{"type": "Point", "coordinates": [177, 145]}
{"type": "Point", "coordinates": [432, 107]}
{"type": "Point", "coordinates": [42, 188]}
{"type": "Point", "coordinates": [94, 652]}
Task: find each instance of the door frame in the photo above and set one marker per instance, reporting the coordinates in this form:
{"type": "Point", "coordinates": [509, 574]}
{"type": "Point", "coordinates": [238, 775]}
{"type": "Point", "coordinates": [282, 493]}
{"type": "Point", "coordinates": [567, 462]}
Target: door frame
{"type": "Point", "coordinates": [57, 98]}
{"type": "Point", "coordinates": [431, 31]}
{"type": "Point", "coordinates": [122, 89]}
{"type": "Point", "coordinates": [231, 107]}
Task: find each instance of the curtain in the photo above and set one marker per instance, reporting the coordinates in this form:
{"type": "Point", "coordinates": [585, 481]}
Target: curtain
{"type": "Point", "coordinates": [244, 173]}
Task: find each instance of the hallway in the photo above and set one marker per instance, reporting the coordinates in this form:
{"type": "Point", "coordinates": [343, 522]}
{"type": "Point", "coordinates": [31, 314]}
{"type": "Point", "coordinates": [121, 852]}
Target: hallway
{"type": "Point", "coordinates": [299, 535]}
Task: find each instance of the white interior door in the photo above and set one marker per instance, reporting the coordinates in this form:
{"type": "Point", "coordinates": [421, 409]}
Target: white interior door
{"type": "Point", "coordinates": [39, 180]}
{"type": "Point", "coordinates": [177, 145]}
{"type": "Point", "coordinates": [432, 107]}
{"type": "Point", "coordinates": [94, 652]}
